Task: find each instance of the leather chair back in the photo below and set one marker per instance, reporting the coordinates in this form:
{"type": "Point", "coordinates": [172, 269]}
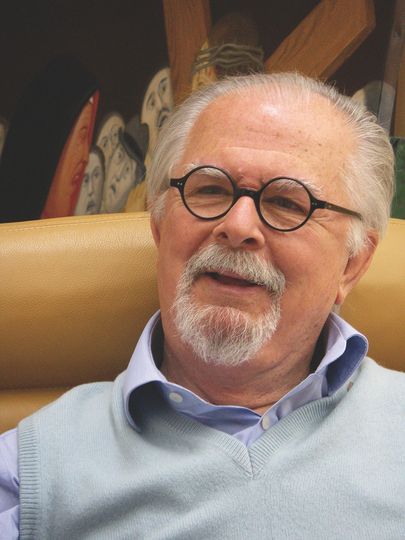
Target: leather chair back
{"type": "Point", "coordinates": [376, 306]}
{"type": "Point", "coordinates": [76, 293]}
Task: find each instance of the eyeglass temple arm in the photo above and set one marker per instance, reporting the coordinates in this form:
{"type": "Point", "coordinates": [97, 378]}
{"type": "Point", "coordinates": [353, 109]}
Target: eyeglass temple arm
{"type": "Point", "coordinates": [336, 208]}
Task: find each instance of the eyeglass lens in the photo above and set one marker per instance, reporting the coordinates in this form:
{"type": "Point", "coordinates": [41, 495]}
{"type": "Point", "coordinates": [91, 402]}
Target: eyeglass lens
{"type": "Point", "coordinates": [284, 203]}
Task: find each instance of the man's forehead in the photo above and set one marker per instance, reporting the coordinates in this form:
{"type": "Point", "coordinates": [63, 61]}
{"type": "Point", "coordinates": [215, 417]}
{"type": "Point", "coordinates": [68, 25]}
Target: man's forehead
{"type": "Point", "coordinates": [273, 104]}
{"type": "Point", "coordinates": [281, 136]}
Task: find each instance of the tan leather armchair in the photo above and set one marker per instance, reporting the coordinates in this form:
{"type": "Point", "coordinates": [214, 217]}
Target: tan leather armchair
{"type": "Point", "coordinates": [76, 293]}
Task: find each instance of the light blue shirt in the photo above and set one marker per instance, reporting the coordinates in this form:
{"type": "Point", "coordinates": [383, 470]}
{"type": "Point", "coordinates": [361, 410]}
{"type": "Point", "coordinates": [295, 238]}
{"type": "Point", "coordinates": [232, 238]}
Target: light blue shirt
{"type": "Point", "coordinates": [345, 349]}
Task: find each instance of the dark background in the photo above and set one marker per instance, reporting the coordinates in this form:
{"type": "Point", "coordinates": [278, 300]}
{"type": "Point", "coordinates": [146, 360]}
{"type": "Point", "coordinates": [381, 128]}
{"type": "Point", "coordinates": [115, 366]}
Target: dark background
{"type": "Point", "coordinates": [123, 43]}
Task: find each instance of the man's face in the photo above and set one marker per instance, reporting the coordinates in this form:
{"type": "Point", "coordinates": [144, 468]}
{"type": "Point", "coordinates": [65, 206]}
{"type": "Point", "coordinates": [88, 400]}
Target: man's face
{"type": "Point", "coordinates": [120, 178]}
{"type": "Point", "coordinates": [157, 104]}
{"type": "Point", "coordinates": [256, 139]}
{"type": "Point", "coordinates": [92, 187]}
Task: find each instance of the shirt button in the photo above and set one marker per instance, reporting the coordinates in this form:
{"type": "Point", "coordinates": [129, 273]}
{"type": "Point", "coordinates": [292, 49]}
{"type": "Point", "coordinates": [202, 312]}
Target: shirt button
{"type": "Point", "coordinates": [265, 423]}
{"type": "Point", "coordinates": [174, 396]}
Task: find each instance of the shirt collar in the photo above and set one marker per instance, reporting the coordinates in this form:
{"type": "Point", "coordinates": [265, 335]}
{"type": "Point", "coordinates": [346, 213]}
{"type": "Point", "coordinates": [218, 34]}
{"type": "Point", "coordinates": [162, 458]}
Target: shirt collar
{"type": "Point", "coordinates": [345, 350]}
{"type": "Point", "coordinates": [142, 368]}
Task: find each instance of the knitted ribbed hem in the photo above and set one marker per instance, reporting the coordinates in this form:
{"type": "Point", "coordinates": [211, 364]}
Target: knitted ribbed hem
{"type": "Point", "coordinates": [29, 469]}
{"type": "Point", "coordinates": [224, 441]}
{"type": "Point", "coordinates": [291, 427]}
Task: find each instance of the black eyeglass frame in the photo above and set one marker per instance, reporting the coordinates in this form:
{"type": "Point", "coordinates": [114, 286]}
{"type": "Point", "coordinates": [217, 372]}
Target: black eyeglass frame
{"type": "Point", "coordinates": [255, 194]}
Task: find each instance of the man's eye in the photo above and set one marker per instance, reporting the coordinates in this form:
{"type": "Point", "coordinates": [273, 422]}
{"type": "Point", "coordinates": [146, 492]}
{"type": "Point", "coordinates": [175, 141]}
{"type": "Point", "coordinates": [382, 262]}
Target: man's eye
{"type": "Point", "coordinates": [284, 203]}
{"type": "Point", "coordinates": [208, 191]}
{"type": "Point", "coordinates": [211, 190]}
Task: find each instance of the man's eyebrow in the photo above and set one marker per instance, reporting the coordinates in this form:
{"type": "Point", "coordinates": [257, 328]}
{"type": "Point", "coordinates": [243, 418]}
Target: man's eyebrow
{"type": "Point", "coordinates": [189, 167]}
{"type": "Point", "coordinates": [315, 190]}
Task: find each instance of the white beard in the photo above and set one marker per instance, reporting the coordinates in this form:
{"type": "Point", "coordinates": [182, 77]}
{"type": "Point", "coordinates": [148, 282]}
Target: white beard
{"type": "Point", "coordinates": [226, 335]}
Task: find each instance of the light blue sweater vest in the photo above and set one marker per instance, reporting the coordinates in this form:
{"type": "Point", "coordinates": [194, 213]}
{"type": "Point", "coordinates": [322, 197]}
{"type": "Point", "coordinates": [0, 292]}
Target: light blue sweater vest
{"type": "Point", "coordinates": [333, 469]}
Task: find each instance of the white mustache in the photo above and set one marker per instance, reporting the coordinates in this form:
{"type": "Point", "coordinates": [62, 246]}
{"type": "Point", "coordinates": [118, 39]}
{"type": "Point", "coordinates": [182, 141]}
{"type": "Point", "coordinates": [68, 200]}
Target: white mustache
{"type": "Point", "coordinates": [247, 265]}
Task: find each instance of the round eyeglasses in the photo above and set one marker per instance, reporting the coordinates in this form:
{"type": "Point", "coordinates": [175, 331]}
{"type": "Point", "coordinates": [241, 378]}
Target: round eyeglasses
{"type": "Point", "coordinates": [284, 204]}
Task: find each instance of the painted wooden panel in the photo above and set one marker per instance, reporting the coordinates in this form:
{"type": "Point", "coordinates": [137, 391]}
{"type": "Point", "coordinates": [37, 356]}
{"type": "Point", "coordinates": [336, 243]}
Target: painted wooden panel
{"type": "Point", "coordinates": [187, 27]}
{"type": "Point", "coordinates": [320, 44]}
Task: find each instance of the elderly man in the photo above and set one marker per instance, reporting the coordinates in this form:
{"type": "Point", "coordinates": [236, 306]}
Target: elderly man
{"type": "Point", "coordinates": [248, 409]}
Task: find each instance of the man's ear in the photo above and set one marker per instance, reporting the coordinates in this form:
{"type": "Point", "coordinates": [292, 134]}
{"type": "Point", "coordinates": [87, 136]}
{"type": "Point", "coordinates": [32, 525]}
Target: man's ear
{"type": "Point", "coordinates": [356, 267]}
{"type": "Point", "coordinates": [155, 231]}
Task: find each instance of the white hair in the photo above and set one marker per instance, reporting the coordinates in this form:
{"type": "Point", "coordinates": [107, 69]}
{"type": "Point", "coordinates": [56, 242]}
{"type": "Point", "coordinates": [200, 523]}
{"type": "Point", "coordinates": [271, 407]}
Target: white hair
{"type": "Point", "coordinates": [368, 174]}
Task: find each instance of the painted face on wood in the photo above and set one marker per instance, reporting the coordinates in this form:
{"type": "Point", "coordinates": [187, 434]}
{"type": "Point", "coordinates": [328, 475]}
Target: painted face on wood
{"type": "Point", "coordinates": [91, 190]}
{"type": "Point", "coordinates": [107, 139]}
{"type": "Point", "coordinates": [65, 188]}
{"type": "Point", "coordinates": [157, 104]}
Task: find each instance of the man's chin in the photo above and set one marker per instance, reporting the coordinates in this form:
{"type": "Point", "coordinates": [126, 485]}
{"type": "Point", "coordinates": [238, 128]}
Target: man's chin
{"type": "Point", "coordinates": [222, 335]}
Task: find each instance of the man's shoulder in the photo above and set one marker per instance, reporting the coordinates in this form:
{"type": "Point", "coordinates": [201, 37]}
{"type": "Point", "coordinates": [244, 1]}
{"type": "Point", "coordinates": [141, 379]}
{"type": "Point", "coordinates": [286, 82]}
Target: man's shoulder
{"type": "Point", "coordinates": [382, 375]}
{"type": "Point", "coordinates": [383, 387]}
{"type": "Point", "coordinates": [78, 402]}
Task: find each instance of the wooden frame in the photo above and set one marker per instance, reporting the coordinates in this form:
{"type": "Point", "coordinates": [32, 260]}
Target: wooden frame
{"type": "Point", "coordinates": [317, 47]}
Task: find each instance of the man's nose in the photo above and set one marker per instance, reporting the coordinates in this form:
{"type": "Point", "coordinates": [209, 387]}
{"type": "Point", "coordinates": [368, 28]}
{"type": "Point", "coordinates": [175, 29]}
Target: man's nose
{"type": "Point", "coordinates": [241, 226]}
